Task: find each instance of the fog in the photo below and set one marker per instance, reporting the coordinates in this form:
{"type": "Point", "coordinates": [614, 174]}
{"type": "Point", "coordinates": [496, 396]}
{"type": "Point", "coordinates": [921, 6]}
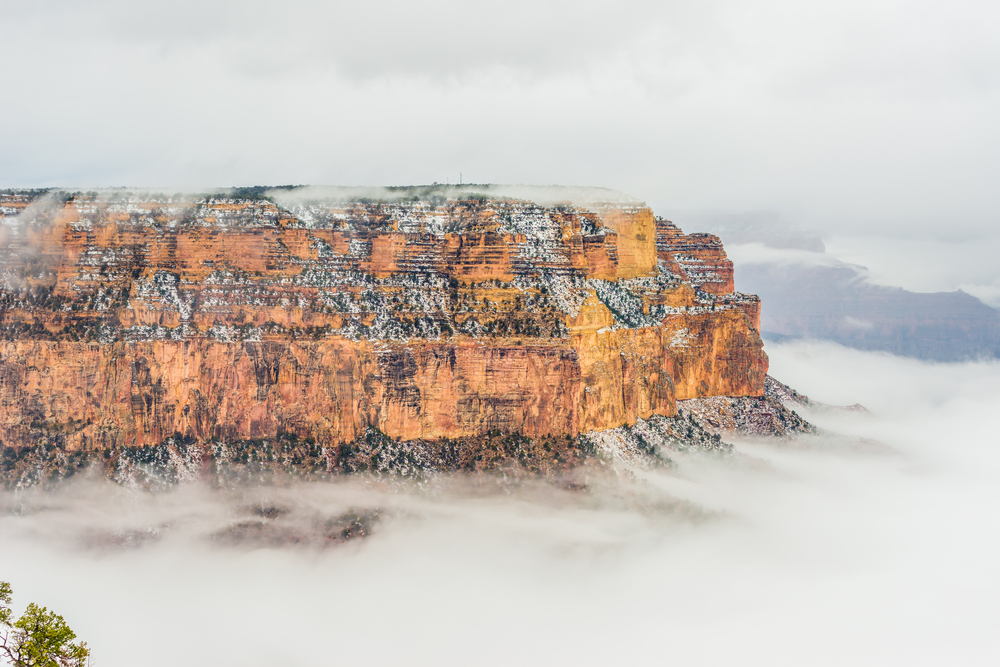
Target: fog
{"type": "Point", "coordinates": [917, 264]}
{"type": "Point", "coordinates": [543, 195]}
{"type": "Point", "coordinates": [880, 550]}
{"type": "Point", "coordinates": [923, 264]}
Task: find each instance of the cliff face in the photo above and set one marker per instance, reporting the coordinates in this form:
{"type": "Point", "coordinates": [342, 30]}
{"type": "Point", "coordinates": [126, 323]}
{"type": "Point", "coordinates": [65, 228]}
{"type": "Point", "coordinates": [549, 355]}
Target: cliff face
{"type": "Point", "coordinates": [92, 395]}
{"type": "Point", "coordinates": [129, 320]}
{"type": "Point", "coordinates": [697, 258]}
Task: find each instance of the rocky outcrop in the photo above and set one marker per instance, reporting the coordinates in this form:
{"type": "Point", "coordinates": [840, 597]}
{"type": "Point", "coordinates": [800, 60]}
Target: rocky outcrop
{"type": "Point", "coordinates": [747, 416]}
{"type": "Point", "coordinates": [128, 320]}
{"type": "Point", "coordinates": [697, 258]}
{"type": "Point", "coordinates": [789, 397]}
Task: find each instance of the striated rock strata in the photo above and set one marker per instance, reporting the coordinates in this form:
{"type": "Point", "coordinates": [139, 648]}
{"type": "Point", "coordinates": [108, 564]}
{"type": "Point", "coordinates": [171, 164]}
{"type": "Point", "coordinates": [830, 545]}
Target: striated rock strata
{"type": "Point", "coordinates": [424, 314]}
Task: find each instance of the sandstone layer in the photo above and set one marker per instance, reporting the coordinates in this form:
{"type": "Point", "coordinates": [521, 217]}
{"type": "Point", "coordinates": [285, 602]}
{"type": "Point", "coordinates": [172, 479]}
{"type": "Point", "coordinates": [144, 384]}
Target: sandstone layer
{"type": "Point", "coordinates": [433, 314]}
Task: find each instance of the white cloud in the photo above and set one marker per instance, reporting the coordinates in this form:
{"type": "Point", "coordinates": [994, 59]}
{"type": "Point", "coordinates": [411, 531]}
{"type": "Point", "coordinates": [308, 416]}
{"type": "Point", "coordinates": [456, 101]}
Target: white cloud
{"type": "Point", "coordinates": [893, 555]}
{"type": "Point", "coordinates": [855, 323]}
{"type": "Point", "coordinates": [932, 262]}
{"type": "Point", "coordinates": [758, 253]}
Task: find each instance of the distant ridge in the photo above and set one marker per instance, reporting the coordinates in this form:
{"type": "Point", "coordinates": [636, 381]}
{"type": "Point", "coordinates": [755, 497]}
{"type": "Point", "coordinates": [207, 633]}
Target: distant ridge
{"type": "Point", "coordinates": [830, 300]}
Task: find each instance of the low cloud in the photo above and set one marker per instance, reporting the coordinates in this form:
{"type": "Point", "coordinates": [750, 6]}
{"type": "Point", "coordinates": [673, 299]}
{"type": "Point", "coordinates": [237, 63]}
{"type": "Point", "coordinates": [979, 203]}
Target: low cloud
{"type": "Point", "coordinates": [764, 558]}
{"type": "Point", "coordinates": [927, 264]}
{"type": "Point", "coordinates": [854, 323]}
{"type": "Point", "coordinates": [758, 253]}
{"type": "Point", "coordinates": [545, 195]}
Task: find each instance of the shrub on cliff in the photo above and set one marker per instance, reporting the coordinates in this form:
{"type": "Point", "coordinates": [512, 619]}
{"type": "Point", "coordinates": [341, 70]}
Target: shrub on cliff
{"type": "Point", "coordinates": [38, 638]}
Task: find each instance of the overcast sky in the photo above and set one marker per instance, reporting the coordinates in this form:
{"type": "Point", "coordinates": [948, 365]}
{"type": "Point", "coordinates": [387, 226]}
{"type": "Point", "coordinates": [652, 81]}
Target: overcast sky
{"type": "Point", "coordinates": [847, 114]}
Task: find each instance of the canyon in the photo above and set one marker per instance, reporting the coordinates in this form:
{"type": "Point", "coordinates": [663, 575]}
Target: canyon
{"type": "Point", "coordinates": [424, 314]}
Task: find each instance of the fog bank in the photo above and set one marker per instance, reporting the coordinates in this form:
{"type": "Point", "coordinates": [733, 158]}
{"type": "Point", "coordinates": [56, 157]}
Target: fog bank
{"type": "Point", "coordinates": [808, 553]}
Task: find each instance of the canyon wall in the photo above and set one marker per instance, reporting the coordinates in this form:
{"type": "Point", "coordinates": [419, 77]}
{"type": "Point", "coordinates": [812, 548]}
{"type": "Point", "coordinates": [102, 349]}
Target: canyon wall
{"type": "Point", "coordinates": [128, 319]}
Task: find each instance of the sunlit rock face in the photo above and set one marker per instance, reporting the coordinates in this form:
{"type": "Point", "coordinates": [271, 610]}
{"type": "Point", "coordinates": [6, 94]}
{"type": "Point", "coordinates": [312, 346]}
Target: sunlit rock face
{"type": "Point", "coordinates": [426, 313]}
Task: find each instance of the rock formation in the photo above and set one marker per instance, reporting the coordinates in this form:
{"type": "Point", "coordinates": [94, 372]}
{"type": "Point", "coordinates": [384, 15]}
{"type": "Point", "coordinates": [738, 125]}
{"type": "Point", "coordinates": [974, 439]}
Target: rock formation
{"type": "Point", "coordinates": [426, 314]}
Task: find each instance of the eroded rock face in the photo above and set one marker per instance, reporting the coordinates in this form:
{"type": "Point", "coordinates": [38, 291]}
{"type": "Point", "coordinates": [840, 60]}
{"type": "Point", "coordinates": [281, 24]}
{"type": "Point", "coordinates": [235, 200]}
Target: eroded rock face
{"type": "Point", "coordinates": [697, 258]}
{"type": "Point", "coordinates": [131, 319]}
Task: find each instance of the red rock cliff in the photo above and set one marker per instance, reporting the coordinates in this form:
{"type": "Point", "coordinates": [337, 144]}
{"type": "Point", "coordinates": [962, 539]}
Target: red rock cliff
{"type": "Point", "coordinates": [129, 320]}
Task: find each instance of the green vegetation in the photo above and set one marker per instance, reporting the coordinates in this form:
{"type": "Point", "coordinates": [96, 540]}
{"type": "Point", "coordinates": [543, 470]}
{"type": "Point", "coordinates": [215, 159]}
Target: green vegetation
{"type": "Point", "coordinates": [39, 638]}
{"type": "Point", "coordinates": [30, 192]}
{"type": "Point", "coordinates": [255, 192]}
